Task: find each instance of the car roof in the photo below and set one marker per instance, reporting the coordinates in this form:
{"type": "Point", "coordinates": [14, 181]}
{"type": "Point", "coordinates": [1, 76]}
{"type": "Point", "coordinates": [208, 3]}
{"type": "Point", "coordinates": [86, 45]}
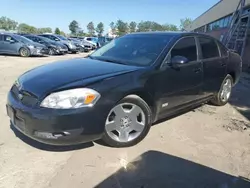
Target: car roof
{"type": "Point", "coordinates": [170, 33]}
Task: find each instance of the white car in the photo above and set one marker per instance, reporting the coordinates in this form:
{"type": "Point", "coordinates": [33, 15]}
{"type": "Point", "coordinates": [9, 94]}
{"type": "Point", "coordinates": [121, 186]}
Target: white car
{"type": "Point", "coordinates": [92, 40]}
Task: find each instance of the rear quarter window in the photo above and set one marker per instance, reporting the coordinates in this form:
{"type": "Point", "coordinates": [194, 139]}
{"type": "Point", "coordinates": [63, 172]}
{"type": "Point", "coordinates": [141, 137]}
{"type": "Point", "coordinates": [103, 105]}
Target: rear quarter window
{"type": "Point", "coordinates": [223, 50]}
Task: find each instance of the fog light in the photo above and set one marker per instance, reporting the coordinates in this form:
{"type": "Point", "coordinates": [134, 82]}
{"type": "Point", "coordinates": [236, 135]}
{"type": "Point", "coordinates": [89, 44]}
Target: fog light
{"type": "Point", "coordinates": [45, 135]}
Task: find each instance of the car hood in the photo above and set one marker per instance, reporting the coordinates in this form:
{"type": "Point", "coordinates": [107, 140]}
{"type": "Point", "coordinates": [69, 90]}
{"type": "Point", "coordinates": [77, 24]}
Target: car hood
{"type": "Point", "coordinates": [38, 45]}
{"type": "Point", "coordinates": [48, 78]}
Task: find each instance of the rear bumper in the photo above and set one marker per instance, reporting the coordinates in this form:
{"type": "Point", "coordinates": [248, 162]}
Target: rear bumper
{"type": "Point", "coordinates": [56, 127]}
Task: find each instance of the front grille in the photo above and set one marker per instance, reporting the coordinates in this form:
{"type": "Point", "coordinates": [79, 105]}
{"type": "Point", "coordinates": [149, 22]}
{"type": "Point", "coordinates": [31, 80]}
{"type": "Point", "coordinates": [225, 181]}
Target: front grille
{"type": "Point", "coordinates": [24, 97]}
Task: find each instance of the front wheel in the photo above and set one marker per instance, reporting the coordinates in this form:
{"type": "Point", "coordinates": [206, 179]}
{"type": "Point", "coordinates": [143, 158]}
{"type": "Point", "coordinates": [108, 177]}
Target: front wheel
{"type": "Point", "coordinates": [128, 122]}
{"type": "Point", "coordinates": [222, 97]}
{"type": "Point", "coordinates": [52, 51]}
{"type": "Point", "coordinates": [24, 52]}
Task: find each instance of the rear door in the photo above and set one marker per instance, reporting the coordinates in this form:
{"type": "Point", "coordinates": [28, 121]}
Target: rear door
{"type": "Point", "coordinates": [214, 65]}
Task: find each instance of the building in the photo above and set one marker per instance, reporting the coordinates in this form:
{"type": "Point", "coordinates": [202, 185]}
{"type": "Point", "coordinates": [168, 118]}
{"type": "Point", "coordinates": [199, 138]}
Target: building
{"type": "Point", "coordinates": [216, 20]}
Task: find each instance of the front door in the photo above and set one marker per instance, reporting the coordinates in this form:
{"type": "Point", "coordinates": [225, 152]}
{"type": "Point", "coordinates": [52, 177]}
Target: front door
{"type": "Point", "coordinates": [180, 85]}
{"type": "Point", "coordinates": [11, 45]}
{"type": "Point", "coordinates": [214, 65]}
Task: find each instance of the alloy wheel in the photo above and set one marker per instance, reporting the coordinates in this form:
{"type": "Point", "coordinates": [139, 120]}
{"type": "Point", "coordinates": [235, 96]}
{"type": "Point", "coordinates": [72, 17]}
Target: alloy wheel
{"type": "Point", "coordinates": [226, 90]}
{"type": "Point", "coordinates": [24, 52]}
{"type": "Point", "coordinates": [125, 122]}
{"type": "Point", "coordinates": [51, 51]}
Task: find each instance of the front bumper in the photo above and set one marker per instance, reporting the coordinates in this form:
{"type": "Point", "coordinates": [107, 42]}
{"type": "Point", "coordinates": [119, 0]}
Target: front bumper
{"type": "Point", "coordinates": [39, 51]}
{"type": "Point", "coordinates": [62, 51]}
{"type": "Point", "coordinates": [56, 127]}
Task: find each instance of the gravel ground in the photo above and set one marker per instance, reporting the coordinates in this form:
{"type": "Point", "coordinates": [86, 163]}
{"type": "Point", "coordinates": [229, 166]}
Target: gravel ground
{"type": "Point", "coordinates": [206, 147]}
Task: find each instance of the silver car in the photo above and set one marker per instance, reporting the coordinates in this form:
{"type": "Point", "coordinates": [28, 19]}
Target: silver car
{"type": "Point", "coordinates": [70, 45]}
{"type": "Point", "coordinates": [18, 45]}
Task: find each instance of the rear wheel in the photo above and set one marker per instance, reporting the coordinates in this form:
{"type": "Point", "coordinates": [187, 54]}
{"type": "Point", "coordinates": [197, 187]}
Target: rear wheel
{"type": "Point", "coordinates": [222, 97]}
{"type": "Point", "coordinates": [128, 122]}
{"type": "Point", "coordinates": [24, 52]}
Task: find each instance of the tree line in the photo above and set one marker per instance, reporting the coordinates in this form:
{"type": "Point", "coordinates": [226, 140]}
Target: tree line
{"type": "Point", "coordinates": [120, 27]}
{"type": "Point", "coordinates": [117, 28]}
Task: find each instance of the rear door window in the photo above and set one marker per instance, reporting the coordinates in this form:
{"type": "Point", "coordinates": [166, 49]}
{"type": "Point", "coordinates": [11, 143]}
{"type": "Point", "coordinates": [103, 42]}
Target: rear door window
{"type": "Point", "coordinates": [185, 47]}
{"type": "Point", "coordinates": [209, 48]}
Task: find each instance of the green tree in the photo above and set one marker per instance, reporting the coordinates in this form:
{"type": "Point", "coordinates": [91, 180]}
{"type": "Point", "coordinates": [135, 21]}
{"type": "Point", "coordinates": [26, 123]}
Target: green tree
{"type": "Point", "coordinates": [185, 23]}
{"type": "Point", "coordinates": [44, 30]}
{"type": "Point", "coordinates": [113, 28]}
{"type": "Point", "coordinates": [144, 26]}
{"type": "Point", "coordinates": [100, 29]}
{"type": "Point", "coordinates": [122, 27]}
{"type": "Point", "coordinates": [62, 33]}
{"type": "Point", "coordinates": [7, 24]}
{"type": "Point", "coordinates": [74, 27]}
{"type": "Point", "coordinates": [169, 27]}
{"type": "Point", "coordinates": [57, 31]}
{"type": "Point", "coordinates": [132, 27]}
{"type": "Point", "coordinates": [25, 28]}
{"type": "Point", "coordinates": [91, 28]}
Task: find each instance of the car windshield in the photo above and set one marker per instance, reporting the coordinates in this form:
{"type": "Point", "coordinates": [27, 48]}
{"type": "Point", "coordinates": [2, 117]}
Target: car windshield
{"type": "Point", "coordinates": [75, 40]}
{"type": "Point", "coordinates": [61, 37]}
{"type": "Point", "coordinates": [45, 39]}
{"type": "Point", "coordinates": [94, 39]}
{"type": "Point", "coordinates": [23, 39]}
{"type": "Point", "coordinates": [141, 50]}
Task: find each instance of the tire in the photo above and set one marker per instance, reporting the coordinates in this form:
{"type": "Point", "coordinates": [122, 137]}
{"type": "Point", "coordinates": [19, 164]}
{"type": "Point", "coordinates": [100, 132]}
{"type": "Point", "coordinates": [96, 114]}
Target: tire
{"type": "Point", "coordinates": [74, 52]}
{"type": "Point", "coordinates": [24, 52]}
{"type": "Point", "coordinates": [219, 98]}
{"type": "Point", "coordinates": [112, 138]}
{"type": "Point", "coordinates": [52, 51]}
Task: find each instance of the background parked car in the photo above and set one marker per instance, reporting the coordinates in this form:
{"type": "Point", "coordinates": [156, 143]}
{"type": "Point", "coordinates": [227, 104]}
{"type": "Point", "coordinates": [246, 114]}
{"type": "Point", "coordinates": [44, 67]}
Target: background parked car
{"type": "Point", "coordinates": [78, 44]}
{"type": "Point", "coordinates": [84, 47]}
{"type": "Point", "coordinates": [104, 40]}
{"type": "Point", "coordinates": [93, 40]}
{"type": "Point", "coordinates": [55, 48]}
{"type": "Point", "coordinates": [18, 45]}
{"type": "Point", "coordinates": [71, 47]}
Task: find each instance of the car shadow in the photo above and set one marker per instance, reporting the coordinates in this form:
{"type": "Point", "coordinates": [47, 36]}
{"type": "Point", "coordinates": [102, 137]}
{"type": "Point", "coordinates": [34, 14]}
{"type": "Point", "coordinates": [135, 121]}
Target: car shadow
{"type": "Point", "coordinates": [47, 147]}
{"type": "Point", "coordinates": [33, 56]}
{"type": "Point", "coordinates": [240, 96]}
{"type": "Point", "coordinates": [155, 169]}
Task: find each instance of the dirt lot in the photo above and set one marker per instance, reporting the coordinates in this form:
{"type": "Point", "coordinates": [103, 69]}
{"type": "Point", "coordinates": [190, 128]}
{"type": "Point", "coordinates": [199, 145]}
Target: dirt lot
{"type": "Point", "coordinates": [206, 147]}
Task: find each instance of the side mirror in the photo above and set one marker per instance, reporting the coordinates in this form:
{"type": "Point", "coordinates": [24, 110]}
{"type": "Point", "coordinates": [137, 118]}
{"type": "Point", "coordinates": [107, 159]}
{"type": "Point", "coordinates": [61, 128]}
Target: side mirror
{"type": "Point", "coordinates": [178, 60]}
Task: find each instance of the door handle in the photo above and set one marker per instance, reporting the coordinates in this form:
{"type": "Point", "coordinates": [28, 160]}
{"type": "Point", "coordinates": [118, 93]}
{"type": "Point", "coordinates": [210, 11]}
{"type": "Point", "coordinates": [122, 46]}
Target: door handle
{"type": "Point", "coordinates": [197, 70]}
{"type": "Point", "coordinates": [223, 64]}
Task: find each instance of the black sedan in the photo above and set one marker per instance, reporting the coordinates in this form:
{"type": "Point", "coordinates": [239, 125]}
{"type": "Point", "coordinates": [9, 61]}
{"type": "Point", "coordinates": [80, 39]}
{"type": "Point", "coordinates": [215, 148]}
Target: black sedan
{"type": "Point", "coordinates": [55, 48]}
{"type": "Point", "coordinates": [122, 88]}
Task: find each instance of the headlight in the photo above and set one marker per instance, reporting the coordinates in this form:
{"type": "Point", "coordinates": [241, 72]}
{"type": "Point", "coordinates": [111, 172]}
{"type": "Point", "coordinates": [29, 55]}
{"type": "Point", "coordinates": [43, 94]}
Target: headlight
{"type": "Point", "coordinates": [31, 46]}
{"type": "Point", "coordinates": [73, 98]}
{"type": "Point", "coordinates": [70, 45]}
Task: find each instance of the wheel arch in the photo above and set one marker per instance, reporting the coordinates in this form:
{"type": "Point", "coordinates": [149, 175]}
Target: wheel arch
{"type": "Point", "coordinates": [147, 97]}
{"type": "Point", "coordinates": [233, 74]}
